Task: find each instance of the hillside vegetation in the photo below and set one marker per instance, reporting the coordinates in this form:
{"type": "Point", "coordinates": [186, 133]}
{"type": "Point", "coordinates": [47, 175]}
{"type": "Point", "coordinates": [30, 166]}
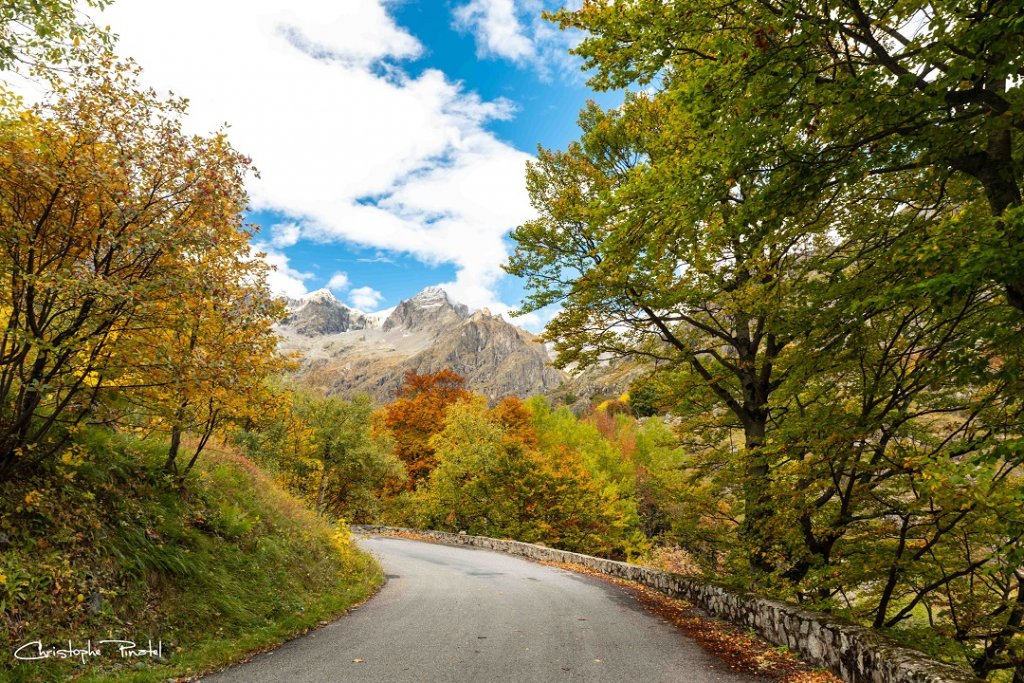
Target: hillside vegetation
{"type": "Point", "coordinates": [440, 456]}
{"type": "Point", "coordinates": [214, 567]}
{"type": "Point", "coordinates": [136, 327]}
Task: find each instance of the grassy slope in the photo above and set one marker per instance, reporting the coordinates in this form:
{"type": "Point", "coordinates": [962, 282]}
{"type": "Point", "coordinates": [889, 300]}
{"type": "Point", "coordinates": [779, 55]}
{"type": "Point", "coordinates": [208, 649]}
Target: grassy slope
{"type": "Point", "coordinates": [108, 547]}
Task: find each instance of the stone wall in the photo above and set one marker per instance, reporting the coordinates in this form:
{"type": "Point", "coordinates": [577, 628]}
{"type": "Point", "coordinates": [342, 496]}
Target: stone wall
{"type": "Point", "coordinates": [854, 653]}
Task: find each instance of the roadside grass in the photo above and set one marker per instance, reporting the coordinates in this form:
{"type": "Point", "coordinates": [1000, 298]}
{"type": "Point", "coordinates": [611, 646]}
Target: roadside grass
{"type": "Point", "coordinates": [109, 547]}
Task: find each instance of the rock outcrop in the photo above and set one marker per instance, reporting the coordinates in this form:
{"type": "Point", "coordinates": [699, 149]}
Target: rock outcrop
{"type": "Point", "coordinates": [430, 312]}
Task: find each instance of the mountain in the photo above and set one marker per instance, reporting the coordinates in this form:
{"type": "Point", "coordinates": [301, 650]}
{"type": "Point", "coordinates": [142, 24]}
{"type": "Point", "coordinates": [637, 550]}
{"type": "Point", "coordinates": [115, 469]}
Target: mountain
{"type": "Point", "coordinates": [345, 351]}
{"type": "Point", "coordinates": [320, 313]}
{"type": "Point", "coordinates": [429, 311]}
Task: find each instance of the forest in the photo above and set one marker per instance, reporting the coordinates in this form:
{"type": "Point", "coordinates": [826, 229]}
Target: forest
{"type": "Point", "coordinates": [803, 225]}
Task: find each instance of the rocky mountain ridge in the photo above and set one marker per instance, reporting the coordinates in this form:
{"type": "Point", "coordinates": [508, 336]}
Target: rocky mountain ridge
{"type": "Point", "coordinates": [431, 308]}
{"type": "Point", "coordinates": [320, 313]}
{"type": "Point", "coordinates": [344, 351]}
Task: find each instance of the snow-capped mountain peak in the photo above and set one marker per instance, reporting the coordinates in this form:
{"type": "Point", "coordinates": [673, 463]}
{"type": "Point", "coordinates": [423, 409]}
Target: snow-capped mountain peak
{"type": "Point", "coordinates": [431, 297]}
{"type": "Point", "coordinates": [431, 309]}
{"type": "Point", "coordinates": [347, 351]}
{"type": "Point", "coordinates": [322, 296]}
{"type": "Point", "coordinates": [320, 312]}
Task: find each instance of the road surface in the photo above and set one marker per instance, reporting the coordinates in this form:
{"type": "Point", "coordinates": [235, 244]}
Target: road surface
{"type": "Point", "coordinates": [464, 615]}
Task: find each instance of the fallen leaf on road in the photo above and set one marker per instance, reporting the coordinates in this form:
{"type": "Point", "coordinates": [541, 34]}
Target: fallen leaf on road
{"type": "Point", "coordinates": [739, 649]}
{"type": "Point", "coordinates": [357, 661]}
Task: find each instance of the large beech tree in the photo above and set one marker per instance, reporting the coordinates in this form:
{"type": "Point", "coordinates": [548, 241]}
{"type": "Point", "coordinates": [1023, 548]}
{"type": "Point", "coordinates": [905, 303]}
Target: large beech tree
{"type": "Point", "coordinates": [830, 93]}
{"type": "Point", "coordinates": [646, 266]}
{"type": "Point", "coordinates": [809, 226]}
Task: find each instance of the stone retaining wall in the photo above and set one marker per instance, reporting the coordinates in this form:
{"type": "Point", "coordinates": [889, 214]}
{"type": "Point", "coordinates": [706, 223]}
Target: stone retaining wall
{"type": "Point", "coordinates": [854, 653]}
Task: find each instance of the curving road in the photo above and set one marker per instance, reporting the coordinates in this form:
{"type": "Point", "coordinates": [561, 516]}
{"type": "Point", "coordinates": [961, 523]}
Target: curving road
{"type": "Point", "coordinates": [457, 615]}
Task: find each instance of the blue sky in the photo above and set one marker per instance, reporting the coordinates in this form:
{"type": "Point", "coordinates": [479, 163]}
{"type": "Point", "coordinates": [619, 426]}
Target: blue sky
{"type": "Point", "coordinates": [391, 136]}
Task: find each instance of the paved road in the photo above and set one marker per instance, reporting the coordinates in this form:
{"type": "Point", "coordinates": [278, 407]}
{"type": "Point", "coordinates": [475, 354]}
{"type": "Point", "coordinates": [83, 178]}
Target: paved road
{"type": "Point", "coordinates": [457, 615]}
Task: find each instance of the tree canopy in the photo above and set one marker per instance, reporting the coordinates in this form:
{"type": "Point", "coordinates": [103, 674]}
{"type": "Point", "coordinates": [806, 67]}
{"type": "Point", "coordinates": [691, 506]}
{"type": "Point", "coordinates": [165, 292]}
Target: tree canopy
{"type": "Point", "coordinates": [132, 296]}
{"type": "Point", "coordinates": [807, 225]}
{"type": "Point", "coordinates": [43, 34]}
{"type": "Point", "coordinates": [826, 94]}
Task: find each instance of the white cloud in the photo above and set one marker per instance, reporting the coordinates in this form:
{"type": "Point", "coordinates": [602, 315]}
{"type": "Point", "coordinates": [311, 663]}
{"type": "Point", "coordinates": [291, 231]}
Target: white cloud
{"type": "Point", "coordinates": [517, 31]}
{"type": "Point", "coordinates": [349, 146]}
{"type": "Point", "coordinates": [338, 281]}
{"type": "Point", "coordinates": [379, 257]}
{"type": "Point", "coordinates": [284, 234]}
{"type": "Point", "coordinates": [283, 279]}
{"type": "Point", "coordinates": [365, 298]}
{"type": "Point", "coordinates": [496, 27]}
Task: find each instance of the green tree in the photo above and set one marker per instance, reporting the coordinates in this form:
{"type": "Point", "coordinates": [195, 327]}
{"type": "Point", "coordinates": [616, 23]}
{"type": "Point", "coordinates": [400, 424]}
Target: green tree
{"type": "Point", "coordinates": [647, 264]}
{"type": "Point", "coordinates": [646, 397]}
{"type": "Point", "coordinates": [44, 33]}
{"type": "Point", "coordinates": [354, 463]}
{"type": "Point", "coordinates": [813, 249]}
{"type": "Point", "coordinates": [833, 93]}
{"type": "Point", "coordinates": [326, 451]}
{"type": "Point", "coordinates": [902, 475]}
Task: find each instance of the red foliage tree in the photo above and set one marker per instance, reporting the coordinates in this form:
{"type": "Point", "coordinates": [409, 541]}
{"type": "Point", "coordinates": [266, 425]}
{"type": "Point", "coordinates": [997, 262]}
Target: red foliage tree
{"type": "Point", "coordinates": [417, 413]}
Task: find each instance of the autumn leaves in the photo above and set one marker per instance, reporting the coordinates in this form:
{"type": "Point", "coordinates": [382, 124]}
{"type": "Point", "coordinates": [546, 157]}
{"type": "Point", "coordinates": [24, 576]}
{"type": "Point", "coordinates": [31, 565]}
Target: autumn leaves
{"type": "Point", "coordinates": [132, 298]}
{"type": "Point", "coordinates": [439, 456]}
{"type": "Point", "coordinates": [514, 470]}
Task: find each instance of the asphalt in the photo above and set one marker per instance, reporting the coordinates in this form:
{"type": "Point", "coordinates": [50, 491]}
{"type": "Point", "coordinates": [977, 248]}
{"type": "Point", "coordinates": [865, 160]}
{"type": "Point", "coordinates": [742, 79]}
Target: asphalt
{"type": "Point", "coordinates": [464, 615]}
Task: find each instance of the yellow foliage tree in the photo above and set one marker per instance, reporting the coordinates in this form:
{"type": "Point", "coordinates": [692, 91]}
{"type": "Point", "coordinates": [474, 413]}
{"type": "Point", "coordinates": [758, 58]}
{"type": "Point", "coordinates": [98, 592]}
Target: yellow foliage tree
{"type": "Point", "coordinates": [219, 347]}
{"type": "Point", "coordinates": [121, 240]}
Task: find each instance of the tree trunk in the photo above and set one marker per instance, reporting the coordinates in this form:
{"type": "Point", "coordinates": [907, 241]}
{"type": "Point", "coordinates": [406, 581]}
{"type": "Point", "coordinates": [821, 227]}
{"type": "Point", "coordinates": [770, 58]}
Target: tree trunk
{"type": "Point", "coordinates": [1003, 193]}
{"type": "Point", "coordinates": [171, 466]}
{"type": "Point", "coordinates": [757, 500]}
{"type": "Point", "coordinates": [211, 424]}
{"type": "Point", "coordinates": [983, 665]}
{"type": "Point", "coordinates": [321, 492]}
{"type": "Point", "coordinates": [892, 580]}
{"type": "Point", "coordinates": [994, 168]}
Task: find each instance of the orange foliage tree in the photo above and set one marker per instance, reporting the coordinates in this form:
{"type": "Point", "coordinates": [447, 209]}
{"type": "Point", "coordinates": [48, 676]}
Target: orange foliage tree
{"type": "Point", "coordinates": [417, 414]}
{"type": "Point", "coordinates": [517, 421]}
